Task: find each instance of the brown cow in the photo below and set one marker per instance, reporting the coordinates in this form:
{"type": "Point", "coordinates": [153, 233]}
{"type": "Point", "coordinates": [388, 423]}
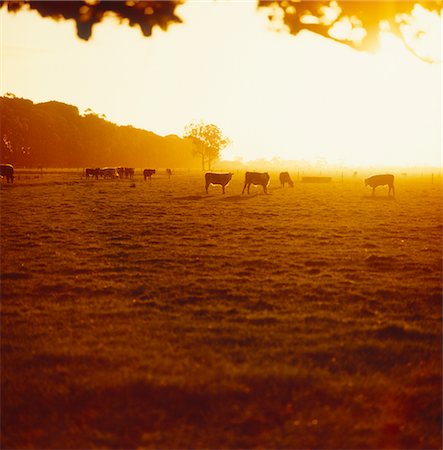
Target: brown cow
{"type": "Point", "coordinates": [381, 180]}
{"type": "Point", "coordinates": [217, 178]}
{"type": "Point", "coordinates": [257, 179]}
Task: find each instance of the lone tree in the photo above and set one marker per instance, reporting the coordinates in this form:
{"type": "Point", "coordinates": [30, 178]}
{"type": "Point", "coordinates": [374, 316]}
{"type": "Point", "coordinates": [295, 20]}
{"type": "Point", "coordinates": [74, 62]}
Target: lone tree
{"type": "Point", "coordinates": [356, 23]}
{"type": "Point", "coordinates": [208, 141]}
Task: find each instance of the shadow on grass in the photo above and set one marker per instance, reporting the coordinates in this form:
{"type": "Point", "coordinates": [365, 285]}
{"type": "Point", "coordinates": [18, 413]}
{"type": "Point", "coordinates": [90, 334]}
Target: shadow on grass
{"type": "Point", "coordinates": [192, 197]}
{"type": "Point", "coordinates": [238, 198]}
{"type": "Point", "coordinates": [379, 198]}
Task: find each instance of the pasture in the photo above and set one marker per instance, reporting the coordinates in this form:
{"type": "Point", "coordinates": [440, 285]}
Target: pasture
{"type": "Point", "coordinates": [152, 315]}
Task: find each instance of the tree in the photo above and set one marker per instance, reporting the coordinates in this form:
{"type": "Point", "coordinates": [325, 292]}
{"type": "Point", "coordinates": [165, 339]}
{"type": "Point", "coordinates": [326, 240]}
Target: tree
{"type": "Point", "coordinates": [208, 141]}
{"type": "Point", "coordinates": [356, 23]}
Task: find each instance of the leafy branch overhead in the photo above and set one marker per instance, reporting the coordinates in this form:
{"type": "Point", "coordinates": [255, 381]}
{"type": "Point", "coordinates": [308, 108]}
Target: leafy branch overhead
{"type": "Point", "coordinates": [145, 14]}
{"type": "Point", "coordinates": [353, 22]}
{"type": "Point", "coordinates": [357, 23]}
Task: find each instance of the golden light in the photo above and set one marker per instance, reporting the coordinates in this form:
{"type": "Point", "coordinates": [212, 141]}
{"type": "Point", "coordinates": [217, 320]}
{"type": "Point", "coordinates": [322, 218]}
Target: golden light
{"type": "Point", "coordinates": [274, 95]}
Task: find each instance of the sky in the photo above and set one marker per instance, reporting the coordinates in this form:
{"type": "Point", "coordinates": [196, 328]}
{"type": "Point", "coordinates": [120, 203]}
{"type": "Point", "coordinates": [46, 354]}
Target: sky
{"type": "Point", "coordinates": [274, 95]}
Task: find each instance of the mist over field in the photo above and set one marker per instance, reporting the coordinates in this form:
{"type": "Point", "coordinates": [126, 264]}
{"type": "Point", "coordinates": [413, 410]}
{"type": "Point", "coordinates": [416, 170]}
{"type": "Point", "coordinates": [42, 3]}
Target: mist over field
{"type": "Point", "coordinates": [152, 315]}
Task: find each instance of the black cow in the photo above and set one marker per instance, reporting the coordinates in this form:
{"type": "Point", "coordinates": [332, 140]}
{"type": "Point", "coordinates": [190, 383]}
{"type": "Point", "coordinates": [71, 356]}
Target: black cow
{"type": "Point", "coordinates": [92, 173]}
{"type": "Point", "coordinates": [285, 178]}
{"type": "Point", "coordinates": [257, 179]}
{"type": "Point", "coordinates": [381, 180]}
{"type": "Point", "coordinates": [147, 173]}
{"type": "Point", "coordinates": [7, 170]}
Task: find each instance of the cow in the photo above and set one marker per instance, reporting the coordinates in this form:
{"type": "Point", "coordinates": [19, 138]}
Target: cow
{"type": "Point", "coordinates": [92, 173]}
{"type": "Point", "coordinates": [285, 178]}
{"type": "Point", "coordinates": [381, 180]}
{"type": "Point", "coordinates": [7, 170]}
{"type": "Point", "coordinates": [109, 172]}
{"type": "Point", "coordinates": [121, 172]}
{"type": "Point", "coordinates": [169, 173]}
{"type": "Point", "coordinates": [147, 173]}
{"type": "Point", "coordinates": [218, 178]}
{"type": "Point", "coordinates": [256, 178]}
{"type": "Point", "coordinates": [129, 172]}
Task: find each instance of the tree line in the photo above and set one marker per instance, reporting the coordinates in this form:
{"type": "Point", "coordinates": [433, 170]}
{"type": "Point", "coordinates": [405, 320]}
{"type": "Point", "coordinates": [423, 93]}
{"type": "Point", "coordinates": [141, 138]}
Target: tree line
{"type": "Point", "coordinates": [55, 134]}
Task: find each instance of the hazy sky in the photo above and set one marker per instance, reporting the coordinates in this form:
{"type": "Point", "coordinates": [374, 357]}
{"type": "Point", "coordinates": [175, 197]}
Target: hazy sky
{"type": "Point", "coordinates": [273, 94]}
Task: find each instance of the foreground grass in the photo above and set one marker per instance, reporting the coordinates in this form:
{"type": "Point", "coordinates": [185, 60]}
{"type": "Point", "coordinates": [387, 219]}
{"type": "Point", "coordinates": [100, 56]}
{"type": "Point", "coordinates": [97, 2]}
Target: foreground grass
{"type": "Point", "coordinates": [188, 323]}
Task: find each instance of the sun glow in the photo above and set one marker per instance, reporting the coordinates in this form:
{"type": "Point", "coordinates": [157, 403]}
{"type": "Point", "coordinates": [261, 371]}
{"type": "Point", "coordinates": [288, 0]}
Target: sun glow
{"type": "Point", "coordinates": [274, 95]}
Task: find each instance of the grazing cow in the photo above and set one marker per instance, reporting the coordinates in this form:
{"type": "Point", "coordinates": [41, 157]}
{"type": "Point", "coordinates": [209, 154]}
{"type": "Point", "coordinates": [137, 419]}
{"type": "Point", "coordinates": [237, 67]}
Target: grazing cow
{"type": "Point", "coordinates": [109, 172]}
{"type": "Point", "coordinates": [381, 180]}
{"type": "Point", "coordinates": [7, 170]}
{"type": "Point", "coordinates": [257, 179]}
{"type": "Point", "coordinates": [147, 173]}
{"type": "Point", "coordinates": [92, 173]}
{"type": "Point", "coordinates": [285, 178]}
{"type": "Point", "coordinates": [121, 172]}
{"type": "Point", "coordinates": [129, 172]}
{"type": "Point", "coordinates": [218, 178]}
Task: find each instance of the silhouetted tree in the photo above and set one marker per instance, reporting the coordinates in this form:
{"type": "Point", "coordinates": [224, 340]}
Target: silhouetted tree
{"type": "Point", "coordinates": [208, 141]}
{"type": "Point", "coordinates": [353, 22]}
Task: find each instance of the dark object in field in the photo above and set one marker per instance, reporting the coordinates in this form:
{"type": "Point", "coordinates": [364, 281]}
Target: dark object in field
{"type": "Point", "coordinates": [285, 178]}
{"type": "Point", "coordinates": [257, 179]}
{"type": "Point", "coordinates": [147, 173]}
{"type": "Point", "coordinates": [316, 179]}
{"type": "Point", "coordinates": [381, 180]}
{"type": "Point", "coordinates": [129, 172]}
{"type": "Point", "coordinates": [169, 172]}
{"type": "Point", "coordinates": [125, 172]}
{"type": "Point", "coordinates": [218, 178]}
{"type": "Point", "coordinates": [109, 172]}
{"type": "Point", "coordinates": [92, 173]}
{"type": "Point", "coordinates": [7, 170]}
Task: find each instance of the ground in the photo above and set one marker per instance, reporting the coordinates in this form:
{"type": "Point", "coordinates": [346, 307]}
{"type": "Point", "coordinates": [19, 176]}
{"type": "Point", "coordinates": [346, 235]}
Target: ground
{"type": "Point", "coordinates": [151, 315]}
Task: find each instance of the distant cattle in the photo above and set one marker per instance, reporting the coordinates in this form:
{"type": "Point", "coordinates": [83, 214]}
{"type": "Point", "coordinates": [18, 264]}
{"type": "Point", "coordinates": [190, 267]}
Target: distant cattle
{"type": "Point", "coordinates": [147, 173]}
{"type": "Point", "coordinates": [109, 172]}
{"type": "Point", "coordinates": [217, 178]}
{"type": "Point", "coordinates": [7, 171]}
{"type": "Point", "coordinates": [121, 172]}
{"type": "Point", "coordinates": [257, 179]}
{"type": "Point", "coordinates": [129, 172]}
{"type": "Point", "coordinates": [92, 173]}
{"type": "Point", "coordinates": [169, 172]}
{"type": "Point", "coordinates": [381, 180]}
{"type": "Point", "coordinates": [285, 178]}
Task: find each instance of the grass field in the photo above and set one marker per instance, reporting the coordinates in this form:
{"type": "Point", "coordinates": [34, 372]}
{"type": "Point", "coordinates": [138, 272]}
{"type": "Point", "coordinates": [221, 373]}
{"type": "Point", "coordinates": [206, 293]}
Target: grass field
{"type": "Point", "coordinates": [151, 315]}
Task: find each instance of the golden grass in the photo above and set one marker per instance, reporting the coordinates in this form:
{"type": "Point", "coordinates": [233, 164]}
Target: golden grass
{"type": "Point", "coordinates": [157, 316]}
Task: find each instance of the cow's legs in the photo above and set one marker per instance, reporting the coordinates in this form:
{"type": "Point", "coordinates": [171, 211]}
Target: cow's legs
{"type": "Point", "coordinates": [244, 187]}
{"type": "Point", "coordinates": [207, 185]}
{"type": "Point", "coordinates": [223, 188]}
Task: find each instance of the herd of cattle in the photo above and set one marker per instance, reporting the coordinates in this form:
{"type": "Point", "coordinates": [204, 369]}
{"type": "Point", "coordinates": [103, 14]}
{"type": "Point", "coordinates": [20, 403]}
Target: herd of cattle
{"type": "Point", "coordinates": [119, 172]}
{"type": "Point", "coordinates": [263, 179]}
{"type": "Point", "coordinates": [211, 178]}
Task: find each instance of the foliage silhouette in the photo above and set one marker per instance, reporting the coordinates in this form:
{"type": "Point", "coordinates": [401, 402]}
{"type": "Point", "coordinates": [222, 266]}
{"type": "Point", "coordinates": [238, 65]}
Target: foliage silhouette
{"type": "Point", "coordinates": [55, 134]}
{"type": "Point", "coordinates": [207, 140]}
{"type": "Point", "coordinates": [360, 19]}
